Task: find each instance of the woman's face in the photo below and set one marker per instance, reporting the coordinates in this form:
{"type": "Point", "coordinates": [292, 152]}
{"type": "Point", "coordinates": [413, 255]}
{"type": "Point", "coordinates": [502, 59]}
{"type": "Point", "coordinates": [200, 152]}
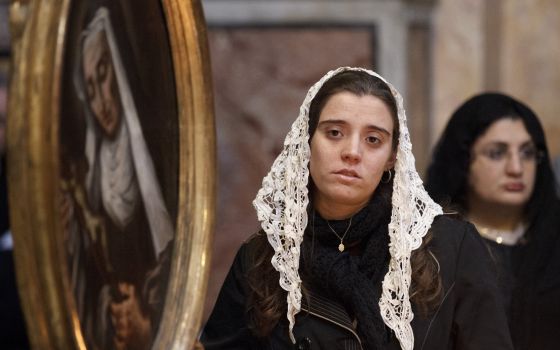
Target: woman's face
{"type": "Point", "coordinates": [350, 150]}
{"type": "Point", "coordinates": [101, 84]}
{"type": "Point", "coordinates": [504, 165]}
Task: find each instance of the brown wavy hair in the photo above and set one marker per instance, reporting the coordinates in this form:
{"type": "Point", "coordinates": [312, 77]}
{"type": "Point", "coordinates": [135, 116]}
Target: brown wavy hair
{"type": "Point", "coordinates": [267, 300]}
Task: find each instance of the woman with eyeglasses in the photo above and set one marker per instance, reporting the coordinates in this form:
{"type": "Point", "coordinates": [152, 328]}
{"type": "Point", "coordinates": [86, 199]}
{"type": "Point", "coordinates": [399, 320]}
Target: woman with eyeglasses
{"type": "Point", "coordinates": [492, 165]}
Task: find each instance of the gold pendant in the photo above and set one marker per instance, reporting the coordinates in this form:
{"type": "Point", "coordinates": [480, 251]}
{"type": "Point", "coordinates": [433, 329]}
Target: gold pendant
{"type": "Point", "coordinates": [341, 247]}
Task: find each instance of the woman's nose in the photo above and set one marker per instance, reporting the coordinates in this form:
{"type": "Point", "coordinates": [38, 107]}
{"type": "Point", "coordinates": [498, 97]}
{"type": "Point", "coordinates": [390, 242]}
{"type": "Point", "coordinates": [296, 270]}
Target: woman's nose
{"type": "Point", "coordinates": [351, 151]}
{"type": "Point", "coordinates": [514, 164]}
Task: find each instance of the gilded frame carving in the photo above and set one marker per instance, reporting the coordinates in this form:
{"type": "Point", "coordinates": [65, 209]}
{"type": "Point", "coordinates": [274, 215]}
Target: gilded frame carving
{"type": "Point", "coordinates": [38, 30]}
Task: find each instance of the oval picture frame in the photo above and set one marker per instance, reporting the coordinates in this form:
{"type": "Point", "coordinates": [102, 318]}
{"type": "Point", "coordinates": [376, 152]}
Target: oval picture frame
{"type": "Point", "coordinates": [40, 115]}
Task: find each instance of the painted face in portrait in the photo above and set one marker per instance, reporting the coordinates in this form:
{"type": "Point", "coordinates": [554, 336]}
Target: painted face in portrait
{"type": "Point", "coordinates": [504, 164]}
{"type": "Point", "coordinates": [350, 149]}
{"type": "Point", "coordinates": [101, 83]}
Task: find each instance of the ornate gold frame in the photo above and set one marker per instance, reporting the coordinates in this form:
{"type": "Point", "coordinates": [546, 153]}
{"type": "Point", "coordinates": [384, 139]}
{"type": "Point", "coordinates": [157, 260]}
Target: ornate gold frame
{"type": "Point", "coordinates": [38, 33]}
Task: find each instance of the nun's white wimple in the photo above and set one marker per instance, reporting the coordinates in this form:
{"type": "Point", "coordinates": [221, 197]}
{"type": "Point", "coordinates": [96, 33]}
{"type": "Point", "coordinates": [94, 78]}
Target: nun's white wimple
{"type": "Point", "coordinates": [281, 206]}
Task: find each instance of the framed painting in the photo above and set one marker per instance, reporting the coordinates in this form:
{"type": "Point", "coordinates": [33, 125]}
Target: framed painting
{"type": "Point", "coordinates": [111, 169]}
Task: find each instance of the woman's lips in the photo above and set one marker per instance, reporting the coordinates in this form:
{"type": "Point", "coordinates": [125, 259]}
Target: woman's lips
{"type": "Point", "coordinates": [347, 173]}
{"type": "Point", "coordinates": [514, 186]}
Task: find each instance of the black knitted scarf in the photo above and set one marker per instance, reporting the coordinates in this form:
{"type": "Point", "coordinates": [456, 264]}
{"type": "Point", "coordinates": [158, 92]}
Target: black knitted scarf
{"type": "Point", "coordinates": [352, 279]}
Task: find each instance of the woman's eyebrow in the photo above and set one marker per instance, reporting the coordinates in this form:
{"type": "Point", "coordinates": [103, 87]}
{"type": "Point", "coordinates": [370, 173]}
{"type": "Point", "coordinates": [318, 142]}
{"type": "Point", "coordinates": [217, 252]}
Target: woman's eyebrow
{"type": "Point", "coordinates": [507, 144]}
{"type": "Point", "coordinates": [498, 143]}
{"type": "Point", "coordinates": [344, 122]}
{"type": "Point", "coordinates": [333, 121]}
{"type": "Point", "coordinates": [528, 143]}
{"type": "Point", "coordinates": [378, 128]}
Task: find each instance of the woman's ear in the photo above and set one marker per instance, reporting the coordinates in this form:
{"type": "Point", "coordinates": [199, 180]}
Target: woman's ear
{"type": "Point", "coordinates": [391, 161]}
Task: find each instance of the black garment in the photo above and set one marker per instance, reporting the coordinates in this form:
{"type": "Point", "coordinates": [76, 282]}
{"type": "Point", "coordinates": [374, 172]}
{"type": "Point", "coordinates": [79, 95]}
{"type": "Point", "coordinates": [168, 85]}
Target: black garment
{"type": "Point", "coordinates": [529, 275]}
{"type": "Point", "coordinates": [4, 213]}
{"type": "Point", "coordinates": [503, 257]}
{"type": "Point", "coordinates": [13, 334]}
{"type": "Point", "coordinates": [352, 277]}
{"type": "Point", "coordinates": [470, 316]}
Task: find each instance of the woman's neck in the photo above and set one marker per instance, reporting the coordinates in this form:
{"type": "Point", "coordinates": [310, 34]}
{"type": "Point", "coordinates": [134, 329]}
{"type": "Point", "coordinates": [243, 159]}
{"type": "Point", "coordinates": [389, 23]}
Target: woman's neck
{"type": "Point", "coordinates": [336, 211]}
{"type": "Point", "coordinates": [492, 216]}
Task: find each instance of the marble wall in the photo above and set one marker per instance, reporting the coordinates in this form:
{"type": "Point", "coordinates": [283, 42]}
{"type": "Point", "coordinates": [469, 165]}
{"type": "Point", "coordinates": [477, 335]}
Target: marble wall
{"type": "Point", "coordinates": [531, 59]}
{"type": "Point", "coordinates": [458, 60]}
{"type": "Point", "coordinates": [506, 45]}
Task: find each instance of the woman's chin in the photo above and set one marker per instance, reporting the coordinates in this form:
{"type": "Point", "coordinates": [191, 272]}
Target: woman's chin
{"type": "Point", "coordinates": [349, 198]}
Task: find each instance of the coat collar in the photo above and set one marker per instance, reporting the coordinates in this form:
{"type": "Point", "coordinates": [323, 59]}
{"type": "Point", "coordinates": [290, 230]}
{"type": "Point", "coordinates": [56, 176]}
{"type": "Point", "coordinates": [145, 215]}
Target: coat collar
{"type": "Point", "coordinates": [329, 310]}
{"type": "Point", "coordinates": [332, 311]}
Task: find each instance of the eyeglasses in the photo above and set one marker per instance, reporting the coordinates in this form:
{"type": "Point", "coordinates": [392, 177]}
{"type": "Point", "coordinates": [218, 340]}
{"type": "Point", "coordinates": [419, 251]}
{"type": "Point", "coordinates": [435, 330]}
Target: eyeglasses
{"type": "Point", "coordinates": [501, 152]}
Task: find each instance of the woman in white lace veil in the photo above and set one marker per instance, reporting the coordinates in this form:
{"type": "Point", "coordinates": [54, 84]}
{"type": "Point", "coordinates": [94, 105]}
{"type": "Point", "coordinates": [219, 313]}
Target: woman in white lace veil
{"type": "Point", "coordinates": [352, 248]}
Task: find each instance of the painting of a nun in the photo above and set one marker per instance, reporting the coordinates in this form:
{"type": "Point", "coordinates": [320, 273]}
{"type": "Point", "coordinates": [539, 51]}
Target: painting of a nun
{"type": "Point", "coordinates": [118, 230]}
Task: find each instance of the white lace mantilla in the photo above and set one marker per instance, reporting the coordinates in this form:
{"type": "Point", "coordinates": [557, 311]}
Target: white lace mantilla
{"type": "Point", "coordinates": [281, 206]}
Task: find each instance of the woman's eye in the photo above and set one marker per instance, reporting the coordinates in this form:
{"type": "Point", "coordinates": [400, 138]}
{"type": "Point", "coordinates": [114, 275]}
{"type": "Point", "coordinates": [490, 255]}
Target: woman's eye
{"type": "Point", "coordinates": [102, 67]}
{"type": "Point", "coordinates": [373, 139]}
{"type": "Point", "coordinates": [334, 133]}
{"type": "Point", "coordinates": [528, 153]}
{"type": "Point", "coordinates": [496, 154]}
{"type": "Point", "coordinates": [90, 89]}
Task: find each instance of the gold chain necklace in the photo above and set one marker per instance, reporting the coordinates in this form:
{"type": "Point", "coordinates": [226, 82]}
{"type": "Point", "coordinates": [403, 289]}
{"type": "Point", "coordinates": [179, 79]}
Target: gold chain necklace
{"type": "Point", "coordinates": [341, 245]}
{"type": "Point", "coordinates": [502, 236]}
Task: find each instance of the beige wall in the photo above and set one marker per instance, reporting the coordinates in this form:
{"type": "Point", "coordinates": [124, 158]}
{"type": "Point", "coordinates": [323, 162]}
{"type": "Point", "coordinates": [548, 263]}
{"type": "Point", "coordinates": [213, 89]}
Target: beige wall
{"type": "Point", "coordinates": [458, 59]}
{"type": "Point", "coordinates": [531, 60]}
{"type": "Point", "coordinates": [508, 45]}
